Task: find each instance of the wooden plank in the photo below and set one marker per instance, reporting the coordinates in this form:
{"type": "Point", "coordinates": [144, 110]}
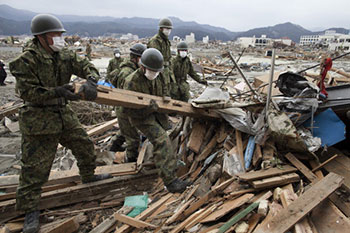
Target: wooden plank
{"type": "Point", "coordinates": [324, 163]}
{"type": "Point", "coordinates": [137, 100]}
{"type": "Point", "coordinates": [10, 110]}
{"type": "Point", "coordinates": [146, 213]}
{"type": "Point", "coordinates": [239, 145]}
{"type": "Point", "coordinates": [188, 220]}
{"type": "Point", "coordinates": [340, 166]}
{"type": "Point", "coordinates": [287, 217]}
{"type": "Point", "coordinates": [301, 167]}
{"type": "Point", "coordinates": [287, 198]}
{"type": "Point", "coordinates": [196, 137]}
{"type": "Point", "coordinates": [68, 226]}
{"type": "Point", "coordinates": [60, 177]}
{"type": "Point", "coordinates": [253, 222]}
{"type": "Point", "coordinates": [133, 222]}
{"type": "Point", "coordinates": [257, 157]}
{"type": "Point", "coordinates": [276, 181]}
{"type": "Point", "coordinates": [209, 147]}
{"type": "Point", "coordinates": [261, 174]}
{"type": "Point", "coordinates": [176, 215]}
{"type": "Point", "coordinates": [328, 219]}
{"type": "Point", "coordinates": [102, 128]}
{"type": "Point", "coordinates": [141, 155]}
{"type": "Point", "coordinates": [82, 192]}
{"type": "Point", "coordinates": [227, 207]}
{"type": "Point", "coordinates": [203, 215]}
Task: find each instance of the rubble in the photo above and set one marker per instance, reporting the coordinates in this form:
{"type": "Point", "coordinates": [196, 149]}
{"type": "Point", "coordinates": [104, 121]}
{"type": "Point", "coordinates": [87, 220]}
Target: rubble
{"type": "Point", "coordinates": [253, 169]}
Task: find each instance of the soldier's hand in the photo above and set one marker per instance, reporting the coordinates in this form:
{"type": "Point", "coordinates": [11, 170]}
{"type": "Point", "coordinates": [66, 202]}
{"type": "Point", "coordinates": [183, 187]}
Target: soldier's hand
{"type": "Point", "coordinates": [153, 106]}
{"type": "Point", "coordinates": [66, 91]}
{"type": "Point", "coordinates": [166, 99]}
{"type": "Point", "coordinates": [89, 89]}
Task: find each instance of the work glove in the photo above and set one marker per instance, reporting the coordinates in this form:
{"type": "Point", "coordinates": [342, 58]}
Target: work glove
{"type": "Point", "coordinates": [204, 82]}
{"type": "Point", "coordinates": [89, 89]}
{"type": "Point", "coordinates": [66, 91]}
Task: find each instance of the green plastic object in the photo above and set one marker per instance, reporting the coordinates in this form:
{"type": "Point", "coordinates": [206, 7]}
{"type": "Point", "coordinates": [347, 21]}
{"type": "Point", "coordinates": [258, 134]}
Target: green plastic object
{"type": "Point", "coordinates": [139, 202]}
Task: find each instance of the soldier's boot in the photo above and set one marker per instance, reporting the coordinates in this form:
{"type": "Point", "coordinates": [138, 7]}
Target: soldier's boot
{"type": "Point", "coordinates": [177, 186]}
{"type": "Point", "coordinates": [31, 222]}
{"type": "Point", "coordinates": [97, 178]}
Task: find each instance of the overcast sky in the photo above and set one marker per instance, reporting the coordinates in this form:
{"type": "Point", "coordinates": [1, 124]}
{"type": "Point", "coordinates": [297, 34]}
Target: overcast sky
{"type": "Point", "coordinates": [234, 15]}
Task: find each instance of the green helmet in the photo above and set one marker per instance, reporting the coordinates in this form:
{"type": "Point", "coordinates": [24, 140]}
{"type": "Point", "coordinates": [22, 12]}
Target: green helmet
{"type": "Point", "coordinates": [165, 23]}
{"type": "Point", "coordinates": [44, 23]}
{"type": "Point", "coordinates": [116, 51]}
{"type": "Point", "coordinates": [182, 46]}
{"type": "Point", "coordinates": [137, 49]}
{"type": "Point", "coordinates": [152, 59]}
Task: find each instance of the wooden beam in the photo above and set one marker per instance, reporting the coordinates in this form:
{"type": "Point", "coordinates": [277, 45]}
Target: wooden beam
{"type": "Point", "coordinates": [196, 137]}
{"type": "Point", "coordinates": [340, 166]}
{"type": "Point", "coordinates": [69, 226]}
{"type": "Point", "coordinates": [102, 128]}
{"type": "Point", "coordinates": [261, 174]}
{"type": "Point", "coordinates": [227, 207]}
{"type": "Point", "coordinates": [133, 222]}
{"type": "Point", "coordinates": [239, 145]}
{"type": "Point", "coordinates": [302, 168]}
{"type": "Point", "coordinates": [275, 181]}
{"type": "Point", "coordinates": [324, 163]}
{"type": "Point", "coordinates": [10, 110]}
{"type": "Point", "coordinates": [137, 100]}
{"type": "Point", "coordinates": [287, 217]}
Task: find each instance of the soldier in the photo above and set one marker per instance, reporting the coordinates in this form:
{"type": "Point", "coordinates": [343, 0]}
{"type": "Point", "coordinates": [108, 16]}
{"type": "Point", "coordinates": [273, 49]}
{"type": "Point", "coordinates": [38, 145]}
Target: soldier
{"type": "Point", "coordinates": [161, 42]}
{"type": "Point", "coordinates": [127, 131]}
{"type": "Point", "coordinates": [3, 74]}
{"type": "Point", "coordinates": [182, 66]}
{"type": "Point", "coordinates": [43, 72]}
{"type": "Point", "coordinates": [88, 51]}
{"type": "Point", "coordinates": [113, 65]}
{"type": "Point", "coordinates": [150, 122]}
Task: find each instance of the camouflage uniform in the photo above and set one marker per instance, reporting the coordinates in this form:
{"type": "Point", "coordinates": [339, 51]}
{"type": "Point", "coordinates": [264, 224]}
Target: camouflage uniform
{"type": "Point", "coordinates": [181, 68]}
{"type": "Point", "coordinates": [113, 66]}
{"type": "Point", "coordinates": [46, 120]}
{"type": "Point", "coordinates": [127, 131]}
{"type": "Point", "coordinates": [152, 125]}
{"type": "Point", "coordinates": [162, 43]}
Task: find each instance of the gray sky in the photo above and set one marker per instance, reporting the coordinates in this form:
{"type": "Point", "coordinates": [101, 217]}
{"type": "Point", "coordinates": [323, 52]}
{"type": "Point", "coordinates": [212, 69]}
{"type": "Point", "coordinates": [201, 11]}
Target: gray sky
{"type": "Point", "coordinates": [234, 15]}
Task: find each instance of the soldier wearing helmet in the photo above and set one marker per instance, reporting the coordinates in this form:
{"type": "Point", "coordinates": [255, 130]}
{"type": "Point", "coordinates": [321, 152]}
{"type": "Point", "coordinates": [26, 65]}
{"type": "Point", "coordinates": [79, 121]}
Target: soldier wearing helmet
{"type": "Point", "coordinates": [161, 42]}
{"type": "Point", "coordinates": [149, 121]}
{"type": "Point", "coordinates": [43, 73]}
{"type": "Point", "coordinates": [114, 65]}
{"type": "Point", "coordinates": [127, 130]}
{"type": "Point", "coordinates": [182, 66]}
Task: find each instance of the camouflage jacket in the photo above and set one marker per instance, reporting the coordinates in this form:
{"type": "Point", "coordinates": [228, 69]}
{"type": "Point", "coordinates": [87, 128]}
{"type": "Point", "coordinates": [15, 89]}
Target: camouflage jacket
{"type": "Point", "coordinates": [126, 68]}
{"type": "Point", "coordinates": [37, 73]}
{"type": "Point", "coordinates": [183, 67]}
{"type": "Point", "coordinates": [113, 64]}
{"type": "Point", "coordinates": [138, 82]}
{"type": "Point", "coordinates": [162, 43]}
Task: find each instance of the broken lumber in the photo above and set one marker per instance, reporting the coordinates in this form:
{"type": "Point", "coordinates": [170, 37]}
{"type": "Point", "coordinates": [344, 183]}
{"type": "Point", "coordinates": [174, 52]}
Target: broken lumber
{"type": "Point", "coordinates": [275, 181]}
{"type": "Point", "coordinates": [261, 174]}
{"type": "Point", "coordinates": [10, 110]}
{"type": "Point", "coordinates": [287, 217]}
{"type": "Point", "coordinates": [302, 168]}
{"type": "Point", "coordinates": [133, 222]}
{"type": "Point", "coordinates": [69, 226]}
{"type": "Point", "coordinates": [137, 100]}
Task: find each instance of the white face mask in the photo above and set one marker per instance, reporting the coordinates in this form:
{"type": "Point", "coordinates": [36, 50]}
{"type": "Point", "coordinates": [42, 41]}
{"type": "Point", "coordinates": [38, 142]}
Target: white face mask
{"type": "Point", "coordinates": [183, 54]}
{"type": "Point", "coordinates": [117, 55]}
{"type": "Point", "coordinates": [166, 31]}
{"type": "Point", "coordinates": [151, 75]}
{"type": "Point", "coordinates": [58, 43]}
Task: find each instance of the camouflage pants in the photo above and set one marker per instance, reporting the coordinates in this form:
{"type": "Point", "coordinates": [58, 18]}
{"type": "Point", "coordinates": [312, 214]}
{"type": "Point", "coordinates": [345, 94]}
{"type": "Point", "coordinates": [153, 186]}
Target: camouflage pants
{"type": "Point", "coordinates": [163, 152]}
{"type": "Point", "coordinates": [38, 153]}
{"type": "Point", "coordinates": [180, 91]}
{"type": "Point", "coordinates": [167, 78]}
{"type": "Point", "coordinates": [132, 138]}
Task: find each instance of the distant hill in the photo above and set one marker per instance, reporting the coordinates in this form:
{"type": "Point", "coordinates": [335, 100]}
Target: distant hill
{"type": "Point", "coordinates": [97, 25]}
{"type": "Point", "coordinates": [289, 30]}
{"type": "Point", "coordinates": [17, 22]}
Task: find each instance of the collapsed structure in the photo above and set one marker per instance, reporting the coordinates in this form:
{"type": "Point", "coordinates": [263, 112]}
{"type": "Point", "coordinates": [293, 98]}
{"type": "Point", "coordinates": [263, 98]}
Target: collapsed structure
{"type": "Point", "coordinates": [254, 167]}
